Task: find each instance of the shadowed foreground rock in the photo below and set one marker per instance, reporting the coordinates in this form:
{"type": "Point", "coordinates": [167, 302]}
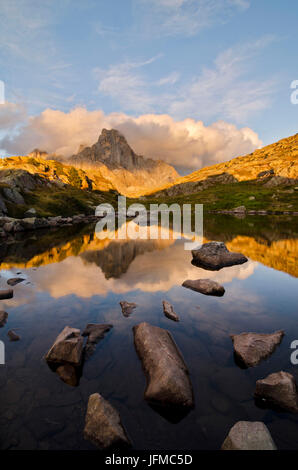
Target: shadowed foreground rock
{"type": "Point", "coordinates": [3, 318]}
{"type": "Point", "coordinates": [168, 382]}
{"type": "Point", "coordinates": [68, 347]}
{"type": "Point", "coordinates": [103, 424]}
{"type": "Point", "coordinates": [68, 374]}
{"type": "Point", "coordinates": [169, 312]}
{"type": "Point", "coordinates": [127, 307]}
{"type": "Point", "coordinates": [247, 435]}
{"type": "Point", "coordinates": [215, 256]}
{"type": "Point", "coordinates": [95, 333]}
{"type": "Point", "coordinates": [6, 294]}
{"type": "Point", "coordinates": [251, 348]}
{"type": "Point", "coordinates": [205, 286]}
{"type": "Point", "coordinates": [278, 390]}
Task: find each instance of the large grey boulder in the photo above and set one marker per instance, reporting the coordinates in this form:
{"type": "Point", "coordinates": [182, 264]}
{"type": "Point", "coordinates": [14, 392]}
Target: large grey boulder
{"type": "Point", "coordinates": [169, 312]}
{"type": "Point", "coordinates": [247, 435]}
{"type": "Point", "coordinates": [215, 255]}
{"type": "Point", "coordinates": [205, 286]}
{"type": "Point", "coordinates": [13, 195]}
{"type": "Point", "coordinates": [68, 347]}
{"type": "Point", "coordinates": [168, 382]}
{"type": "Point", "coordinates": [252, 348]}
{"type": "Point", "coordinates": [103, 425]}
{"type": "Point", "coordinates": [278, 390]}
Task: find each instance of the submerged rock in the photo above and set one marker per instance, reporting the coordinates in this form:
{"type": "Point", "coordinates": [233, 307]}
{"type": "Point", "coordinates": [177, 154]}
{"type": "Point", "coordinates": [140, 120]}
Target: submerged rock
{"type": "Point", "coordinates": [251, 348]}
{"type": "Point", "coordinates": [14, 281]}
{"type": "Point", "coordinates": [13, 336]}
{"type": "Point", "coordinates": [278, 390]}
{"type": "Point", "coordinates": [3, 318]}
{"type": "Point", "coordinates": [169, 312]}
{"type": "Point", "coordinates": [168, 382]}
{"type": "Point", "coordinates": [103, 425]}
{"type": "Point", "coordinates": [215, 255]}
{"type": "Point", "coordinates": [127, 307]}
{"type": "Point", "coordinates": [68, 347]}
{"type": "Point", "coordinates": [6, 294]}
{"type": "Point", "coordinates": [205, 286]}
{"type": "Point", "coordinates": [95, 333]}
{"type": "Point", "coordinates": [68, 374]}
{"type": "Point", "coordinates": [249, 435]}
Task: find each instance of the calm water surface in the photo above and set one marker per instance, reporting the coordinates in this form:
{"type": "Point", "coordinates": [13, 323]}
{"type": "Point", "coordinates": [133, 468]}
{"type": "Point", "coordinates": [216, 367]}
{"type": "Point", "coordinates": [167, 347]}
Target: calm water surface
{"type": "Point", "coordinates": [73, 279]}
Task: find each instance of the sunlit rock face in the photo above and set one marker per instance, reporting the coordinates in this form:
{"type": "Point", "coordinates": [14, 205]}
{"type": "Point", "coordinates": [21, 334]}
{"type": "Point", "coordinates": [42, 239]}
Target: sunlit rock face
{"type": "Point", "coordinates": [128, 172]}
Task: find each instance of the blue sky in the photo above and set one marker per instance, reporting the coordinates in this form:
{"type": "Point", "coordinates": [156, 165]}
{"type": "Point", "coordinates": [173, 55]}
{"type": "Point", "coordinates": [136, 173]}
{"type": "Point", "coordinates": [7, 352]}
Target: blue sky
{"type": "Point", "coordinates": [227, 61]}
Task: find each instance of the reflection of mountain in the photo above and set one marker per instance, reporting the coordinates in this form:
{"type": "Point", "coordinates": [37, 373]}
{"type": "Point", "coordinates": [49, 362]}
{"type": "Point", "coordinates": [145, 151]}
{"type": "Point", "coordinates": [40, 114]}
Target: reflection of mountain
{"type": "Point", "coordinates": [115, 256]}
{"type": "Point", "coordinates": [115, 259]}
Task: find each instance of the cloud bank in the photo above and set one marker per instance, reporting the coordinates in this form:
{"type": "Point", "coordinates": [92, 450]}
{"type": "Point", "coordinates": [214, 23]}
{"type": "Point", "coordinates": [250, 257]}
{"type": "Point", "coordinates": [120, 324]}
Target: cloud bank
{"type": "Point", "coordinates": [187, 144]}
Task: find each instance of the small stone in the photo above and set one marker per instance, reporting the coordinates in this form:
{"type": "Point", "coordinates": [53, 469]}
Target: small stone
{"type": "Point", "coordinates": [68, 374]}
{"type": "Point", "coordinates": [6, 294]}
{"type": "Point", "coordinates": [67, 348]}
{"type": "Point", "coordinates": [247, 435]}
{"type": "Point", "coordinates": [205, 286]}
{"type": "Point", "coordinates": [95, 333]}
{"type": "Point", "coordinates": [169, 312]}
{"type": "Point", "coordinates": [279, 390]}
{"type": "Point", "coordinates": [251, 348]}
{"type": "Point", "coordinates": [127, 307]}
{"type": "Point", "coordinates": [13, 336]}
{"type": "Point", "coordinates": [103, 425]}
{"type": "Point", "coordinates": [14, 281]}
{"type": "Point", "coordinates": [3, 318]}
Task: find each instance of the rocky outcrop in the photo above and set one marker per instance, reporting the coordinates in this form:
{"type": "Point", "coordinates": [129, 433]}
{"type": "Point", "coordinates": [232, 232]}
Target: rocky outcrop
{"type": "Point", "coordinates": [215, 256]}
{"type": "Point", "coordinates": [6, 294]}
{"type": "Point", "coordinates": [67, 348]}
{"type": "Point", "coordinates": [247, 435]}
{"type": "Point", "coordinates": [169, 312]}
{"type": "Point", "coordinates": [278, 390]}
{"type": "Point", "coordinates": [252, 348]}
{"type": "Point", "coordinates": [3, 318]}
{"type": "Point", "coordinates": [205, 286]}
{"type": "Point", "coordinates": [168, 382]}
{"type": "Point", "coordinates": [127, 307]}
{"type": "Point", "coordinates": [103, 425]}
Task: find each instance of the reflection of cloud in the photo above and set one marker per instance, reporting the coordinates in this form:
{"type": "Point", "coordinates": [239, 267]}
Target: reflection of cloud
{"type": "Point", "coordinates": [154, 271]}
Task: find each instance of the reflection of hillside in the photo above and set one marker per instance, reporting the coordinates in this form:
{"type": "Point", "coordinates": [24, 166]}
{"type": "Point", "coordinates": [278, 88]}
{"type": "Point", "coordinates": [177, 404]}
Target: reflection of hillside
{"type": "Point", "coordinates": [260, 243]}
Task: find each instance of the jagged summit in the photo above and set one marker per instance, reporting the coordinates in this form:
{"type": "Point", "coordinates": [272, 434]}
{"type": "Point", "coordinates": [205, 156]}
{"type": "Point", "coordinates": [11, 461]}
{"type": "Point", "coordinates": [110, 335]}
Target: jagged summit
{"type": "Point", "coordinates": [113, 150]}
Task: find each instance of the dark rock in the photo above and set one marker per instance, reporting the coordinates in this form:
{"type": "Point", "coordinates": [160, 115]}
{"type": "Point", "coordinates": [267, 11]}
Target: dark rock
{"type": "Point", "coordinates": [6, 294]}
{"type": "Point", "coordinates": [168, 380]}
{"type": "Point", "coordinates": [278, 390]}
{"type": "Point", "coordinates": [95, 333]}
{"type": "Point", "coordinates": [205, 286]}
{"type": "Point", "coordinates": [68, 347]}
{"type": "Point", "coordinates": [103, 425]}
{"type": "Point", "coordinates": [14, 281]}
{"type": "Point", "coordinates": [3, 318]}
{"type": "Point", "coordinates": [13, 336]}
{"type": "Point", "coordinates": [251, 348]}
{"type": "Point", "coordinates": [127, 307]}
{"type": "Point", "coordinates": [247, 435]}
{"type": "Point", "coordinates": [169, 312]}
{"type": "Point", "coordinates": [215, 255]}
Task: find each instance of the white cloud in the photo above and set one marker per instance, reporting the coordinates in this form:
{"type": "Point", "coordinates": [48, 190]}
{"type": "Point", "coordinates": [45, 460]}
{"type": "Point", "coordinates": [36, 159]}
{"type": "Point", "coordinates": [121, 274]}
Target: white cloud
{"type": "Point", "coordinates": [185, 17]}
{"type": "Point", "coordinates": [187, 143]}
